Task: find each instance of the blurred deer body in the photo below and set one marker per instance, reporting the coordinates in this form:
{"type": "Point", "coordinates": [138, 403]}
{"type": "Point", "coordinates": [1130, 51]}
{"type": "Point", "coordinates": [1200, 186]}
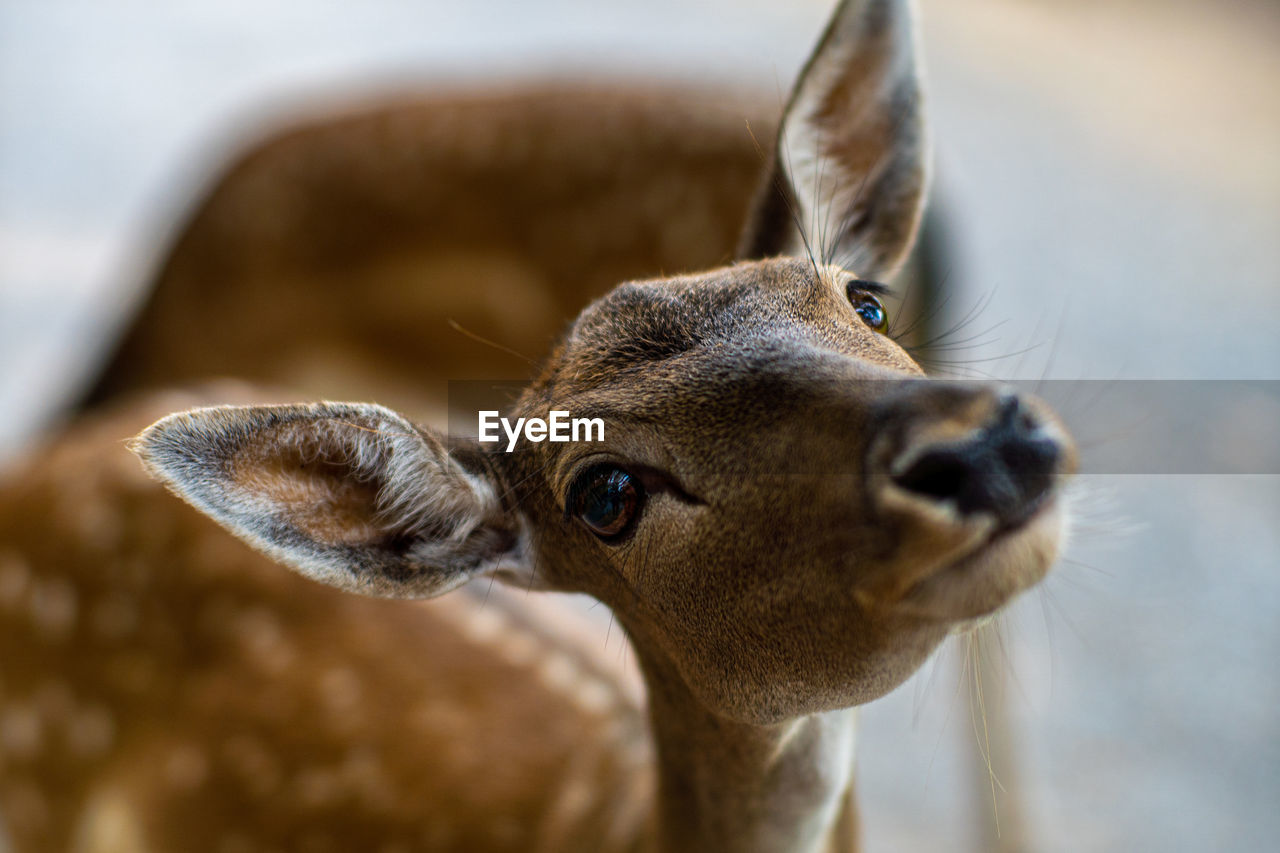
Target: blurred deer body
{"type": "Point", "coordinates": [783, 515]}
{"type": "Point", "coordinates": [374, 235]}
{"type": "Point", "coordinates": [164, 687]}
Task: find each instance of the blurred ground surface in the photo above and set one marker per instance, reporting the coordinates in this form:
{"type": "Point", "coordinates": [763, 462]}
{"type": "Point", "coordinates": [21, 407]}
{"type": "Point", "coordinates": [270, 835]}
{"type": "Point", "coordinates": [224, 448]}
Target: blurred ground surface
{"type": "Point", "coordinates": [1111, 176]}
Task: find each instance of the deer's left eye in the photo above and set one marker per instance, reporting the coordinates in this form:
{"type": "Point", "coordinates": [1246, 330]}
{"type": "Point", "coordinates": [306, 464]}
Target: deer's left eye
{"type": "Point", "coordinates": [868, 307]}
{"type": "Point", "coordinates": [607, 500]}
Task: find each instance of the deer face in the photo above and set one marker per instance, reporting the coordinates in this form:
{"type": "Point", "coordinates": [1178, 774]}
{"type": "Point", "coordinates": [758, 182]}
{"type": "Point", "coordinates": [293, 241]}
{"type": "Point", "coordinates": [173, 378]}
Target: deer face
{"type": "Point", "coordinates": [782, 506]}
{"type": "Point", "coordinates": [780, 499]}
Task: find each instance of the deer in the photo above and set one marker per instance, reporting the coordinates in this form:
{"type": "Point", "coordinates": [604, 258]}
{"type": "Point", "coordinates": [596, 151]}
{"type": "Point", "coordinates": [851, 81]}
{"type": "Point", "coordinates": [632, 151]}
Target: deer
{"type": "Point", "coordinates": [785, 517]}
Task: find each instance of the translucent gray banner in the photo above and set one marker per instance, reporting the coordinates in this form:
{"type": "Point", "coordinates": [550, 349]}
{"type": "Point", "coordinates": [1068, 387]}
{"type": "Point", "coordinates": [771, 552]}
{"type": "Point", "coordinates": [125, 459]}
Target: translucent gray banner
{"type": "Point", "coordinates": [1120, 426]}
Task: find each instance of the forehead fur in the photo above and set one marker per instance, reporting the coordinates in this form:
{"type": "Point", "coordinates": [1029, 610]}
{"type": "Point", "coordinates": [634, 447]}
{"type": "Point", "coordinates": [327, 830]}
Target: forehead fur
{"type": "Point", "coordinates": [640, 323]}
{"type": "Point", "coordinates": [776, 305]}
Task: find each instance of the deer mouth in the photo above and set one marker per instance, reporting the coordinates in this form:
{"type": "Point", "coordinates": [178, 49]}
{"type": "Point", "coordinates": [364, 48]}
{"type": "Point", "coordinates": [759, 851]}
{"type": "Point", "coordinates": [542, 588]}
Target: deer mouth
{"type": "Point", "coordinates": [1006, 561]}
{"type": "Point", "coordinates": [977, 490]}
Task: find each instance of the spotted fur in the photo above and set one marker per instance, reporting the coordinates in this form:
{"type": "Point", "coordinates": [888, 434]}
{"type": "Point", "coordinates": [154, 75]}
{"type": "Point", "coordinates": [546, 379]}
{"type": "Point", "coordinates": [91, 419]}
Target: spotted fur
{"type": "Point", "coordinates": [782, 570]}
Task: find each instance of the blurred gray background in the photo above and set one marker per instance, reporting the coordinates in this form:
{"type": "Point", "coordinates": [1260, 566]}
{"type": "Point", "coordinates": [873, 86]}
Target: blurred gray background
{"type": "Point", "coordinates": [1111, 177]}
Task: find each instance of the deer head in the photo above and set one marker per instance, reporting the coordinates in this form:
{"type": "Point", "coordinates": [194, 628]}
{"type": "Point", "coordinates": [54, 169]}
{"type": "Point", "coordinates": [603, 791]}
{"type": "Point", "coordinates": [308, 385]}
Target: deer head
{"type": "Point", "coordinates": [784, 513]}
{"type": "Point", "coordinates": [781, 502]}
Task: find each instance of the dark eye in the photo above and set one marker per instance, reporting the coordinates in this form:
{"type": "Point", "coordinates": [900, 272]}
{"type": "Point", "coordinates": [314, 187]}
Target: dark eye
{"type": "Point", "coordinates": [868, 307]}
{"type": "Point", "coordinates": [606, 499]}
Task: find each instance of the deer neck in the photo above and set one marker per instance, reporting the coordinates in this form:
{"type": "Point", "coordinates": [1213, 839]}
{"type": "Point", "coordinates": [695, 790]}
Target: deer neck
{"type": "Point", "coordinates": [741, 788]}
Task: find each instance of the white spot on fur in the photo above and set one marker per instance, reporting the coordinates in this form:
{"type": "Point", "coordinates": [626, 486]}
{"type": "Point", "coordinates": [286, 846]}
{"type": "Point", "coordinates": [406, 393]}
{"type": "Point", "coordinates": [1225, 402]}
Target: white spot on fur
{"type": "Point", "coordinates": [21, 731]}
{"type": "Point", "coordinates": [365, 775]}
{"type": "Point", "coordinates": [108, 825]}
{"type": "Point", "coordinates": [187, 767]}
{"type": "Point", "coordinates": [254, 764]}
{"type": "Point", "coordinates": [439, 717]}
{"type": "Point", "coordinates": [53, 607]}
{"type": "Point", "coordinates": [484, 624]}
{"type": "Point", "coordinates": [316, 787]}
{"type": "Point", "coordinates": [114, 616]}
{"type": "Point", "coordinates": [340, 690]}
{"type": "Point", "coordinates": [97, 524]}
{"type": "Point", "coordinates": [91, 731]}
{"type": "Point", "coordinates": [638, 753]}
{"type": "Point", "coordinates": [520, 648]}
{"type": "Point", "coordinates": [633, 807]}
{"type": "Point", "coordinates": [261, 632]}
{"type": "Point", "coordinates": [558, 671]}
{"type": "Point", "coordinates": [595, 696]}
{"type": "Point", "coordinates": [576, 796]}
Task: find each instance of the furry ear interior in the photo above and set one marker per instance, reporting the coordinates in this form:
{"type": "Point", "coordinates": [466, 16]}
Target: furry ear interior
{"type": "Point", "coordinates": [847, 179]}
{"type": "Point", "coordinates": [351, 495]}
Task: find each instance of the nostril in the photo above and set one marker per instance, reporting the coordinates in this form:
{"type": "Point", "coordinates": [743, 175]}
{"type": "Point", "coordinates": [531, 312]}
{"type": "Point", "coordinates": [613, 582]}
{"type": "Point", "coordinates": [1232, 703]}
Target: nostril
{"type": "Point", "coordinates": [1005, 469]}
{"type": "Point", "coordinates": [941, 475]}
{"type": "Point", "coordinates": [969, 475]}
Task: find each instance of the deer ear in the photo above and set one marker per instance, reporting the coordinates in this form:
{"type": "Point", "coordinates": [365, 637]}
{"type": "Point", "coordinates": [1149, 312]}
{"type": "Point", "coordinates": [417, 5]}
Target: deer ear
{"type": "Point", "coordinates": [847, 180]}
{"type": "Point", "coordinates": [351, 495]}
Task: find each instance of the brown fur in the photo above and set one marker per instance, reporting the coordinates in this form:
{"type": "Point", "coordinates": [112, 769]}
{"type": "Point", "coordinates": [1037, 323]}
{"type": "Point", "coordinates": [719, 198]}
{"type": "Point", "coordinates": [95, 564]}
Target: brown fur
{"type": "Point", "coordinates": [183, 685]}
{"type": "Point", "coordinates": [370, 232]}
{"type": "Point", "coordinates": [177, 693]}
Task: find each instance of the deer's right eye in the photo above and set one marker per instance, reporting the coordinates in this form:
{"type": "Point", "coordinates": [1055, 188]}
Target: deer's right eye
{"type": "Point", "coordinates": [607, 500]}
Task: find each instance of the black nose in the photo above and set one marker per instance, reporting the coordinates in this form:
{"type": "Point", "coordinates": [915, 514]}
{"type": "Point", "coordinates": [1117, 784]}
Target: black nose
{"type": "Point", "coordinates": [1005, 468]}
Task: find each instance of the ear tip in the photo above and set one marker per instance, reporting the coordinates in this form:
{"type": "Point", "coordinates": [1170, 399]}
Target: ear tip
{"type": "Point", "coordinates": [170, 444]}
{"type": "Point", "coordinates": [150, 444]}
